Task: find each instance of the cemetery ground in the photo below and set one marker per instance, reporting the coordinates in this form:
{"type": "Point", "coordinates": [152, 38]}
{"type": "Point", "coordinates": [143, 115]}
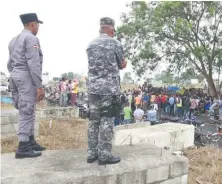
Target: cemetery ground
{"type": "Point", "coordinates": [205, 164]}
{"type": "Point", "coordinates": [70, 134]}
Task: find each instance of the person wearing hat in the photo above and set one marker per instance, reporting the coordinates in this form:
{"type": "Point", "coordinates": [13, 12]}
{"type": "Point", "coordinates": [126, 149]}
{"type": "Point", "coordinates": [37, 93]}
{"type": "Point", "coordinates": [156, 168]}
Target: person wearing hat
{"type": "Point", "coordinates": [105, 59]}
{"type": "Point", "coordinates": [25, 68]}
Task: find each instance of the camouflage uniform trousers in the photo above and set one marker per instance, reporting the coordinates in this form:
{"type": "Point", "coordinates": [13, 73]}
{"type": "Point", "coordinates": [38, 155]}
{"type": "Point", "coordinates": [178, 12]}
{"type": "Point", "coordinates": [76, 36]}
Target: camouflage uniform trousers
{"type": "Point", "coordinates": [100, 128]}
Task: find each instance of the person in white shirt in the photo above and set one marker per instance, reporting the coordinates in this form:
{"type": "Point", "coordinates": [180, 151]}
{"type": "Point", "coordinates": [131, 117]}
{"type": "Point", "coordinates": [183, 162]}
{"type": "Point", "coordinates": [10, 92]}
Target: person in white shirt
{"type": "Point", "coordinates": [129, 97]}
{"type": "Point", "coordinates": [138, 114]}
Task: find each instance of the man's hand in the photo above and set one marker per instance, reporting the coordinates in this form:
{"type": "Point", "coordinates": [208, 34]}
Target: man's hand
{"type": "Point", "coordinates": [124, 63]}
{"type": "Point", "coordinates": [40, 94]}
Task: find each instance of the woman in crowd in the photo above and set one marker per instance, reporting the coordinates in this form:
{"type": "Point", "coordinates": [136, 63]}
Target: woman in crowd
{"type": "Point", "coordinates": [74, 92]}
{"type": "Point", "coordinates": [69, 91]}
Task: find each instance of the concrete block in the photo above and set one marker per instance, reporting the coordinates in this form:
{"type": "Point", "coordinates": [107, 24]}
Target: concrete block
{"type": "Point", "coordinates": [36, 125]}
{"type": "Point", "coordinates": [156, 174]}
{"type": "Point", "coordinates": [8, 134]}
{"type": "Point", "coordinates": [9, 124]}
{"type": "Point", "coordinates": [76, 113]}
{"type": "Point", "coordinates": [173, 135]}
{"type": "Point", "coordinates": [5, 120]}
{"type": "Point", "coordinates": [135, 177]}
{"type": "Point", "coordinates": [15, 126]}
{"type": "Point", "coordinates": [7, 128]}
{"type": "Point", "coordinates": [70, 167]}
{"type": "Point", "coordinates": [178, 168]}
{"type": "Point", "coordinates": [36, 132]}
{"type": "Point", "coordinates": [14, 117]}
{"type": "Point", "coordinates": [132, 126]}
{"type": "Point", "coordinates": [92, 179]}
{"type": "Point", "coordinates": [12, 129]}
{"type": "Point", "coordinates": [57, 113]}
{"type": "Point", "coordinates": [179, 180]}
{"type": "Point", "coordinates": [9, 117]}
{"type": "Point", "coordinates": [7, 181]}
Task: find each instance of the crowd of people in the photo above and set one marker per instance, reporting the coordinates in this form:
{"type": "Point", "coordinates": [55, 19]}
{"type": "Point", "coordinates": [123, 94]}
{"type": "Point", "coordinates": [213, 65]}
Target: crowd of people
{"type": "Point", "coordinates": [147, 101]}
{"type": "Point", "coordinates": [68, 92]}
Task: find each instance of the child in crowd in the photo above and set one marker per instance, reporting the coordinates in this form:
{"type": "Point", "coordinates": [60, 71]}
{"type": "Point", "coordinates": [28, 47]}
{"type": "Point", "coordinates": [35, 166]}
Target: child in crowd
{"type": "Point", "coordinates": [127, 113]}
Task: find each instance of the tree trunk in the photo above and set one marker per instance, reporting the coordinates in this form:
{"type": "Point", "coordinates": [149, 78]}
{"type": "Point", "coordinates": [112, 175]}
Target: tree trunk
{"type": "Point", "coordinates": [219, 79]}
{"type": "Point", "coordinates": [211, 86]}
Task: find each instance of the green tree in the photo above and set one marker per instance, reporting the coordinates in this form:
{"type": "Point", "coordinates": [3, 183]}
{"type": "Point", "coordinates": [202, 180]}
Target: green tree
{"type": "Point", "coordinates": [186, 34]}
{"type": "Point", "coordinates": [217, 69]}
{"type": "Point", "coordinates": [65, 75]}
{"type": "Point", "coordinates": [70, 75]}
{"type": "Point", "coordinates": [127, 78]}
{"type": "Point", "coordinates": [55, 78]}
{"type": "Point", "coordinates": [166, 77]}
{"type": "Point", "coordinates": [185, 77]}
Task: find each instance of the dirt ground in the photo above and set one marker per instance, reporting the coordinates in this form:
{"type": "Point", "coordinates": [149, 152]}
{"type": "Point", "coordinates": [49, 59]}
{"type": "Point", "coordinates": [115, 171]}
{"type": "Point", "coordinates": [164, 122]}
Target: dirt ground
{"type": "Point", "coordinates": [40, 105]}
{"type": "Point", "coordinates": [128, 86]}
{"type": "Point", "coordinates": [205, 164]}
{"type": "Point", "coordinates": [4, 106]}
{"type": "Point", "coordinates": [60, 135]}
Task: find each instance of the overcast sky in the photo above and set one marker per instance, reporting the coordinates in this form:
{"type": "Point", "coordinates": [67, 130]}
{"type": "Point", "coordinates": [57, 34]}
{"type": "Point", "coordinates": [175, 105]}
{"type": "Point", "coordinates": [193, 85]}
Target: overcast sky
{"type": "Point", "coordinates": [68, 28]}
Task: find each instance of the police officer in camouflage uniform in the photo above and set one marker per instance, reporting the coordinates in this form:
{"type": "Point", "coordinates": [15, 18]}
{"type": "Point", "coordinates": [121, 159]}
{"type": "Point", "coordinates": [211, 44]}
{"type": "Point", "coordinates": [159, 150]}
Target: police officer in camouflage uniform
{"type": "Point", "coordinates": [105, 59]}
{"type": "Point", "coordinates": [25, 68]}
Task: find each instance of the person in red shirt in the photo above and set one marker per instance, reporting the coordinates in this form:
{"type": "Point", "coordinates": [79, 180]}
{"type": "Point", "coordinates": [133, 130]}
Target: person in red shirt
{"type": "Point", "coordinates": [163, 101]}
{"type": "Point", "coordinates": [158, 101]}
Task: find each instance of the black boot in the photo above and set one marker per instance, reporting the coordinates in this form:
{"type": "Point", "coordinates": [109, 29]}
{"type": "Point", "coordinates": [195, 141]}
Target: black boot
{"type": "Point", "coordinates": [34, 145]}
{"type": "Point", "coordinates": [25, 151]}
{"type": "Point", "coordinates": [111, 160]}
{"type": "Point", "coordinates": [91, 160]}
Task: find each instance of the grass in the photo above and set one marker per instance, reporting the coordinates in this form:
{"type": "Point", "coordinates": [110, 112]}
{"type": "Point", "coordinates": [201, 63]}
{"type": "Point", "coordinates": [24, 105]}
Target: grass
{"type": "Point", "coordinates": [40, 105]}
{"type": "Point", "coordinates": [205, 164]}
{"type": "Point", "coordinates": [6, 106]}
{"type": "Point", "coordinates": [125, 87]}
{"type": "Point", "coordinates": [60, 135]}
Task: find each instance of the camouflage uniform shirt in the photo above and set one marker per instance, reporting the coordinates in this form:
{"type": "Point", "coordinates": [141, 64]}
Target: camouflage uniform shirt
{"type": "Point", "coordinates": [105, 56]}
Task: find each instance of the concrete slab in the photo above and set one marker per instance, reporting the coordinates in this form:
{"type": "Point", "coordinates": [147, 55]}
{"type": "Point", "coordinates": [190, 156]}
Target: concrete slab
{"type": "Point", "coordinates": [132, 126]}
{"type": "Point", "coordinates": [174, 136]}
{"type": "Point", "coordinates": [7, 128]}
{"type": "Point", "coordinates": [9, 118]}
{"type": "Point", "coordinates": [57, 113]}
{"type": "Point", "coordinates": [69, 167]}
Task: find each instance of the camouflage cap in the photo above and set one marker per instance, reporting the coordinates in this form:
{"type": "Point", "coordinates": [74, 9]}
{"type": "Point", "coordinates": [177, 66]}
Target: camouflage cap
{"type": "Point", "coordinates": [107, 21]}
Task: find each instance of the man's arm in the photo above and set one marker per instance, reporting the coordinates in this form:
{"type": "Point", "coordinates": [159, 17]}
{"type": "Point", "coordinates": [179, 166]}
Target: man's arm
{"type": "Point", "coordinates": [11, 49]}
{"type": "Point", "coordinates": [33, 59]}
{"type": "Point", "coordinates": [9, 65]}
{"type": "Point", "coordinates": [120, 55]}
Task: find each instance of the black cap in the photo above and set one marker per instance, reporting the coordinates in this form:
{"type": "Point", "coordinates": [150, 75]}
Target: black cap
{"type": "Point", "coordinates": [30, 17]}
